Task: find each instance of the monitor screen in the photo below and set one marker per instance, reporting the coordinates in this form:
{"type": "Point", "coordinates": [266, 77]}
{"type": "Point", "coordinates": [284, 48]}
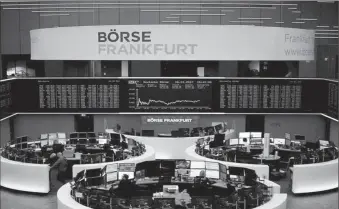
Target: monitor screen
{"type": "Point", "coordinates": [311, 145]}
{"type": "Point", "coordinates": [212, 174]}
{"type": "Point", "coordinates": [61, 135]}
{"type": "Point", "coordinates": [111, 168]}
{"type": "Point", "coordinates": [152, 168]}
{"type": "Point", "coordinates": [167, 168]}
{"type": "Point", "coordinates": [92, 140]}
{"type": "Point", "coordinates": [279, 141]}
{"type": "Point", "coordinates": [83, 135]}
{"type": "Point", "coordinates": [43, 142]}
{"type": "Point", "coordinates": [209, 130]}
{"type": "Point", "coordinates": [93, 173]}
{"type": "Point", "coordinates": [198, 164]}
{"type": "Point", "coordinates": [73, 135]}
{"type": "Point", "coordinates": [196, 172]}
{"type": "Point", "coordinates": [256, 135]}
{"type": "Point", "coordinates": [299, 137]}
{"type": "Point", "coordinates": [287, 136]}
{"type": "Point", "coordinates": [141, 202]}
{"type": "Point", "coordinates": [130, 175]}
{"type": "Point", "coordinates": [219, 139]}
{"type": "Point", "coordinates": [182, 172]}
{"type": "Point", "coordinates": [24, 145]}
{"type": "Point", "coordinates": [102, 141]}
{"type": "Point", "coordinates": [141, 174]}
{"type": "Point", "coordinates": [52, 136]}
{"type": "Point", "coordinates": [324, 143]}
{"type": "Point", "coordinates": [234, 141]}
{"type": "Point", "coordinates": [73, 141]}
{"type": "Point", "coordinates": [223, 176]}
{"type": "Point", "coordinates": [126, 167]}
{"type": "Point", "coordinates": [182, 164]}
{"type": "Point", "coordinates": [222, 168]}
{"type": "Point", "coordinates": [91, 135]}
{"type": "Point", "coordinates": [244, 135]}
{"type": "Point", "coordinates": [82, 141]}
{"type": "Point", "coordinates": [62, 141]}
{"type": "Point", "coordinates": [115, 136]}
{"type": "Point", "coordinates": [147, 132]}
{"type": "Point", "coordinates": [18, 140]}
{"type": "Point", "coordinates": [112, 176]}
{"type": "Point", "coordinates": [43, 136]}
{"type": "Point", "coordinates": [236, 171]}
{"type": "Point", "coordinates": [212, 166]}
{"type": "Point", "coordinates": [24, 139]}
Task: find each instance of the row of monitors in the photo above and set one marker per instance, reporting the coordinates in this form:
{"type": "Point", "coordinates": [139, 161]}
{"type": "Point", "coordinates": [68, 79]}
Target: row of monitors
{"type": "Point", "coordinates": [166, 168]}
{"type": "Point", "coordinates": [162, 95]}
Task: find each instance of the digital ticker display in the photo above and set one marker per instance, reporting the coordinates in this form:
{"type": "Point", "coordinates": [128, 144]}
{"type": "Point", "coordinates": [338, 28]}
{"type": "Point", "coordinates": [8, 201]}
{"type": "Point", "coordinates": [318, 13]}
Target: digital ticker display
{"type": "Point", "coordinates": [113, 95]}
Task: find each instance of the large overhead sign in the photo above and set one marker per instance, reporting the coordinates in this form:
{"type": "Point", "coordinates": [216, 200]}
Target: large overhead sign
{"type": "Point", "coordinates": [172, 42]}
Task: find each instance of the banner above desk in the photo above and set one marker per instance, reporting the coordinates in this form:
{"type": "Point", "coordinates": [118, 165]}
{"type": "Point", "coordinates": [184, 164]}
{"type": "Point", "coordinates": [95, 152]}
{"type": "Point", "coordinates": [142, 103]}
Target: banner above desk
{"type": "Point", "coordinates": [172, 42]}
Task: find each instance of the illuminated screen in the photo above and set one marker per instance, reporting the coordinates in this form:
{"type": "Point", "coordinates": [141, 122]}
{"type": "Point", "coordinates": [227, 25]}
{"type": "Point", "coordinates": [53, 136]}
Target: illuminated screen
{"type": "Point", "coordinates": [182, 172]}
{"type": "Point", "coordinates": [52, 136]}
{"type": "Point", "coordinates": [212, 166]}
{"type": "Point", "coordinates": [234, 141]}
{"type": "Point", "coordinates": [212, 174]}
{"type": "Point", "coordinates": [62, 141]}
{"type": "Point", "coordinates": [196, 172]}
{"type": "Point", "coordinates": [126, 167]}
{"type": "Point", "coordinates": [130, 175]}
{"type": "Point", "coordinates": [43, 143]}
{"type": "Point", "coordinates": [43, 136]}
{"type": "Point", "coordinates": [61, 135]}
{"type": "Point", "coordinates": [140, 174]}
{"type": "Point", "coordinates": [244, 135]}
{"type": "Point", "coordinates": [82, 135]}
{"type": "Point", "coordinates": [324, 143]}
{"type": "Point", "coordinates": [279, 141]}
{"type": "Point", "coordinates": [256, 135]}
{"type": "Point", "coordinates": [182, 164]}
{"type": "Point", "coordinates": [223, 176]}
{"type": "Point", "coordinates": [73, 135]}
{"type": "Point", "coordinates": [102, 141]}
{"type": "Point", "coordinates": [198, 164]}
{"type": "Point", "coordinates": [112, 168]}
{"type": "Point", "coordinates": [112, 176]}
{"type": "Point", "coordinates": [223, 168]}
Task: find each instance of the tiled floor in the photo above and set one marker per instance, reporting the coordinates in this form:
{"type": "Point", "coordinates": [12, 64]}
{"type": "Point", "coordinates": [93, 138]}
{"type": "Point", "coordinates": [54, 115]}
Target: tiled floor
{"type": "Point", "coordinates": [18, 200]}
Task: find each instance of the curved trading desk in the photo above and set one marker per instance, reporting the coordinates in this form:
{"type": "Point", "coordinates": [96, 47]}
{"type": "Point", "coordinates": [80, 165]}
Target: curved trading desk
{"type": "Point", "coordinates": [26, 177]}
{"type": "Point", "coordinates": [315, 177]}
{"type": "Point", "coordinates": [261, 170]}
{"type": "Point", "coordinates": [148, 155]}
{"type": "Point", "coordinates": [65, 200]}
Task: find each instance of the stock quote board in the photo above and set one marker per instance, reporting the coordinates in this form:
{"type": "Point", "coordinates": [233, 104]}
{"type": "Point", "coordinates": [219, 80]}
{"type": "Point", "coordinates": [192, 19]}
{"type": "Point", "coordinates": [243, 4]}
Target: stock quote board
{"type": "Point", "coordinates": [5, 98]}
{"type": "Point", "coordinates": [112, 95]}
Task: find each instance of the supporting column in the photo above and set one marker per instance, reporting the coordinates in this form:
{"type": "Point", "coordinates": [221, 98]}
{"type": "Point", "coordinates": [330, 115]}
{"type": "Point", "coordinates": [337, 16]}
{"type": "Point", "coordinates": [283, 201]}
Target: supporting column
{"type": "Point", "coordinates": [95, 68]}
{"type": "Point", "coordinates": [201, 71]}
{"type": "Point", "coordinates": [124, 68]}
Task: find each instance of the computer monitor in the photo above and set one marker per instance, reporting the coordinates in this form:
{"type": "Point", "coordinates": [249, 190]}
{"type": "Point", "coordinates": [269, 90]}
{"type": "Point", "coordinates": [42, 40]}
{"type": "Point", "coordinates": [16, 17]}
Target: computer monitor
{"type": "Point", "coordinates": [212, 166]}
{"type": "Point", "coordinates": [182, 172]}
{"type": "Point", "coordinates": [167, 168]}
{"type": "Point", "coordinates": [43, 136]}
{"type": "Point", "coordinates": [324, 143]}
{"type": "Point", "coordinates": [110, 177]}
{"type": "Point", "coordinates": [82, 141]}
{"type": "Point", "coordinates": [126, 167]}
{"type": "Point", "coordinates": [111, 167]}
{"type": "Point", "coordinates": [223, 176]}
{"type": "Point", "coordinates": [73, 135]}
{"type": "Point", "coordinates": [222, 168]}
{"type": "Point", "coordinates": [311, 145]}
{"type": "Point", "coordinates": [18, 140]}
{"type": "Point", "coordinates": [212, 174]}
{"type": "Point", "coordinates": [236, 171]}
{"type": "Point", "coordinates": [256, 134]}
{"type": "Point", "coordinates": [198, 165]}
{"type": "Point", "coordinates": [102, 141]}
{"type": "Point", "coordinates": [164, 203]}
{"type": "Point", "coordinates": [278, 141]}
{"type": "Point", "coordinates": [130, 175]}
{"type": "Point", "coordinates": [93, 173]}
{"type": "Point", "coordinates": [244, 135]}
{"type": "Point", "coordinates": [61, 135]}
{"type": "Point", "coordinates": [234, 141]}
{"type": "Point", "coordinates": [287, 136]}
{"type": "Point", "coordinates": [92, 140]}
{"type": "Point", "coordinates": [299, 137]}
{"type": "Point", "coordinates": [44, 142]}
{"type": "Point", "coordinates": [141, 202]}
{"type": "Point", "coordinates": [115, 136]}
{"type": "Point", "coordinates": [24, 145]}
{"type": "Point", "coordinates": [73, 141]}
{"type": "Point", "coordinates": [95, 181]}
{"type": "Point", "coordinates": [287, 142]}
{"type": "Point", "coordinates": [196, 172]}
{"type": "Point", "coordinates": [62, 141]}
{"type": "Point", "coordinates": [202, 200]}
{"type": "Point", "coordinates": [91, 135]}
{"type": "Point", "coordinates": [219, 140]}
{"type": "Point", "coordinates": [209, 130]}
{"type": "Point", "coordinates": [152, 168]}
{"type": "Point", "coordinates": [183, 164]}
{"type": "Point", "coordinates": [185, 131]}
{"type": "Point", "coordinates": [52, 136]}
{"type": "Point", "coordinates": [83, 135]}
{"type": "Point", "coordinates": [24, 139]}
{"type": "Point", "coordinates": [141, 174]}
{"type": "Point", "coordinates": [170, 188]}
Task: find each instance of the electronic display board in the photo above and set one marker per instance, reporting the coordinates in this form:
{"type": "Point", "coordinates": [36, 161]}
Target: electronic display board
{"type": "Point", "coordinates": [5, 98]}
{"type": "Point", "coordinates": [332, 99]}
{"type": "Point", "coordinates": [67, 95]}
{"type": "Point", "coordinates": [170, 95]}
{"type": "Point", "coordinates": [225, 95]}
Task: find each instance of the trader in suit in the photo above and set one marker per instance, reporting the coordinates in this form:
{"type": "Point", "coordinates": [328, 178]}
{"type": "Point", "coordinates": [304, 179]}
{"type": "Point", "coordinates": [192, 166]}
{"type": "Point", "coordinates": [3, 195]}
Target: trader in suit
{"type": "Point", "coordinates": [61, 164]}
{"type": "Point", "coordinates": [125, 187]}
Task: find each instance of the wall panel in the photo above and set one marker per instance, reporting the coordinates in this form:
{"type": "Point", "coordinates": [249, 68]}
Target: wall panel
{"type": "Point", "coordinates": [89, 18]}
{"type": "Point", "coordinates": [232, 15]}
{"type": "Point", "coordinates": [10, 32]}
{"type": "Point", "coordinates": [54, 68]}
{"type": "Point", "coordinates": [129, 16]}
{"type": "Point", "coordinates": [70, 20]}
{"type": "Point", "coordinates": [228, 69]}
{"type": "Point", "coordinates": [309, 126]}
{"type": "Point", "coordinates": [150, 18]}
{"type": "Point", "coordinates": [127, 122]}
{"type": "Point", "coordinates": [5, 132]}
{"type": "Point", "coordinates": [310, 10]}
{"type": "Point", "coordinates": [289, 16]}
{"type": "Point", "coordinates": [250, 13]}
{"type": "Point", "coordinates": [49, 22]}
{"type": "Point", "coordinates": [275, 14]}
{"type": "Point", "coordinates": [145, 69]}
{"type": "Point", "coordinates": [34, 125]}
{"type": "Point", "coordinates": [108, 16]}
{"type": "Point", "coordinates": [211, 20]}
{"type": "Point", "coordinates": [334, 132]}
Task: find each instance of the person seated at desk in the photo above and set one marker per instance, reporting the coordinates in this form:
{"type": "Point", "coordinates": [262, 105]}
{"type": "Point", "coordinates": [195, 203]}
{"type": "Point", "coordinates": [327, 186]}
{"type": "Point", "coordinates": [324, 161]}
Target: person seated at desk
{"type": "Point", "coordinates": [125, 187]}
{"type": "Point", "coordinates": [124, 144]}
{"type": "Point", "coordinates": [208, 154]}
{"type": "Point", "coordinates": [61, 164]}
{"type": "Point", "coordinates": [117, 129]}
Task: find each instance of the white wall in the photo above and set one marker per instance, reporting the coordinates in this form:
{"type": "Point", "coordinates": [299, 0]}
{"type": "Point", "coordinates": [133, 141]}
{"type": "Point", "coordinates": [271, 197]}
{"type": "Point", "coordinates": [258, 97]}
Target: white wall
{"type": "Point", "coordinates": [34, 125]}
{"type": "Point", "coordinates": [334, 132]}
{"type": "Point", "coordinates": [5, 132]}
{"type": "Point", "coordinates": [125, 121]}
{"type": "Point", "coordinates": [309, 126]}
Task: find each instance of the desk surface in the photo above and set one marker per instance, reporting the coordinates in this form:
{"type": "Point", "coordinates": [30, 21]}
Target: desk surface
{"type": "Point", "coordinates": [268, 158]}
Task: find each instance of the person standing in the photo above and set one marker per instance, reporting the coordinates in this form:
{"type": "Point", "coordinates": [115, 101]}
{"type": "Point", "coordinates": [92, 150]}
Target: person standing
{"type": "Point", "coordinates": [61, 164]}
